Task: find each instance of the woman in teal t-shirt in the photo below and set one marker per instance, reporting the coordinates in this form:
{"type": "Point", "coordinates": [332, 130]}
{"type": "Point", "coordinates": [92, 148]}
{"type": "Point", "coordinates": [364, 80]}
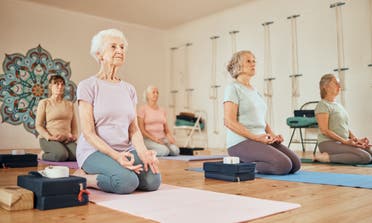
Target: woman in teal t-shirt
{"type": "Point", "coordinates": [249, 137]}
{"type": "Point", "coordinates": [337, 143]}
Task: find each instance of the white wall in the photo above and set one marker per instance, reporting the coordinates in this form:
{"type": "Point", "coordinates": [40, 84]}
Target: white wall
{"type": "Point", "coordinates": [317, 55]}
{"type": "Point", "coordinates": [66, 35]}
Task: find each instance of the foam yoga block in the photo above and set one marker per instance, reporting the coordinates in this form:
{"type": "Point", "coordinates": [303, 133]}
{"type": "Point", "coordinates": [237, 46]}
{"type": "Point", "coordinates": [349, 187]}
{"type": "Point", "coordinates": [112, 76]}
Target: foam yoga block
{"type": "Point", "coordinates": [23, 160]}
{"type": "Point", "coordinates": [51, 193]}
{"type": "Point", "coordinates": [190, 151]}
{"type": "Point", "coordinates": [229, 172]}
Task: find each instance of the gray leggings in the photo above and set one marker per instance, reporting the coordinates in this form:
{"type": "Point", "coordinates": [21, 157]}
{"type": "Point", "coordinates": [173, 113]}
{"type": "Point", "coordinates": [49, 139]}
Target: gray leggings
{"type": "Point", "coordinates": [58, 151]}
{"type": "Point", "coordinates": [346, 154]}
{"type": "Point", "coordinates": [270, 159]}
{"type": "Point", "coordinates": [165, 149]}
{"type": "Point", "coordinates": [114, 178]}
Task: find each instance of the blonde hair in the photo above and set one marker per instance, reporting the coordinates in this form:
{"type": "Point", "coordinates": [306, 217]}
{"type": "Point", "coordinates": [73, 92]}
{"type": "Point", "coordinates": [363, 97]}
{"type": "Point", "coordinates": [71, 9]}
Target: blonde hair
{"type": "Point", "coordinates": [324, 81]}
{"type": "Point", "coordinates": [235, 64]}
{"type": "Point", "coordinates": [97, 42]}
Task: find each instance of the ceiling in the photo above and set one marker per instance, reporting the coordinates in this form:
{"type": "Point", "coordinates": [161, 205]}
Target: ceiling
{"type": "Point", "coordinates": [159, 14]}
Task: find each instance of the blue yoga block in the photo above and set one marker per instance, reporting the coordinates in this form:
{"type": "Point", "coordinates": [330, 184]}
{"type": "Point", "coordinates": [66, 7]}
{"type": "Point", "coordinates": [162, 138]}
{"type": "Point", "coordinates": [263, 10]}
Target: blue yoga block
{"type": "Point", "coordinates": [229, 172]}
{"type": "Point", "coordinates": [52, 193]}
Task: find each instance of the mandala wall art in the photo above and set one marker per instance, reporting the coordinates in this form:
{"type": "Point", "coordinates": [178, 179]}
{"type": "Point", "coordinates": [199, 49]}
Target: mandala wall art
{"type": "Point", "coordinates": [25, 82]}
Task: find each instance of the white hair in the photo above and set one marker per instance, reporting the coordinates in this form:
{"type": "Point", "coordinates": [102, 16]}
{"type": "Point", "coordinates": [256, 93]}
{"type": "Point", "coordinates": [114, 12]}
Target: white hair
{"type": "Point", "coordinates": [98, 41]}
{"type": "Point", "coordinates": [147, 90]}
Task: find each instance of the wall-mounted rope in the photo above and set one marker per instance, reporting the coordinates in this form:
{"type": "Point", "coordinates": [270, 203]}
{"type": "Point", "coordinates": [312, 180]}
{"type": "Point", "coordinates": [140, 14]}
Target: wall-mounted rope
{"type": "Point", "coordinates": [213, 95]}
{"type": "Point", "coordinates": [295, 68]}
{"type": "Point", "coordinates": [268, 77]}
{"type": "Point", "coordinates": [340, 49]}
{"type": "Point", "coordinates": [370, 23]}
{"type": "Point", "coordinates": [188, 89]}
{"type": "Point", "coordinates": [173, 90]}
{"type": "Point", "coordinates": [233, 40]}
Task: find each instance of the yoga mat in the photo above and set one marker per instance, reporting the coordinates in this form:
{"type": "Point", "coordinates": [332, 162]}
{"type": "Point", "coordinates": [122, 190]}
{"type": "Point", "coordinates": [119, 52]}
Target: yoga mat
{"type": "Point", "coordinates": [196, 169]}
{"type": "Point", "coordinates": [180, 204]}
{"type": "Point", "coordinates": [192, 158]}
{"type": "Point", "coordinates": [69, 164]}
{"type": "Point", "coordinates": [308, 160]}
{"type": "Point", "coordinates": [336, 179]}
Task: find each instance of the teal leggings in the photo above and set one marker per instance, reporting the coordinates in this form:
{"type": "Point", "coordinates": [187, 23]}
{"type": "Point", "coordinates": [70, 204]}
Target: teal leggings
{"type": "Point", "coordinates": [114, 178]}
{"type": "Point", "coordinates": [58, 151]}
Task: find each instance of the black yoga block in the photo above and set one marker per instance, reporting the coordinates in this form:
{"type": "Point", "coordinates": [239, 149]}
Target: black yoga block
{"type": "Point", "coordinates": [229, 172]}
{"type": "Point", "coordinates": [51, 193]}
{"type": "Point", "coordinates": [189, 151]}
{"type": "Point", "coordinates": [24, 160]}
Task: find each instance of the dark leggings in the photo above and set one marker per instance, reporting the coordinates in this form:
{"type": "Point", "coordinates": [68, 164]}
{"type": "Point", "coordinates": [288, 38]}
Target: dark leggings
{"type": "Point", "coordinates": [270, 159]}
{"type": "Point", "coordinates": [346, 154]}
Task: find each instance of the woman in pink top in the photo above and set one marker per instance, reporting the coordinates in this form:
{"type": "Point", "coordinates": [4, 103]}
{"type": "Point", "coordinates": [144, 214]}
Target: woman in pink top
{"type": "Point", "coordinates": [110, 150]}
{"type": "Point", "coordinates": [152, 121]}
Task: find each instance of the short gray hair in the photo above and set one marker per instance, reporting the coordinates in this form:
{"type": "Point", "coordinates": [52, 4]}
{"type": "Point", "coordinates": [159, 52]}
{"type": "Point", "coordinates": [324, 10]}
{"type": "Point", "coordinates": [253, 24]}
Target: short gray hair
{"type": "Point", "coordinates": [97, 41]}
{"type": "Point", "coordinates": [235, 65]}
{"type": "Point", "coordinates": [324, 81]}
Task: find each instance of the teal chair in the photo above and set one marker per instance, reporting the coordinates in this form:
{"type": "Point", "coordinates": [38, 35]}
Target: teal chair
{"type": "Point", "coordinates": [303, 119]}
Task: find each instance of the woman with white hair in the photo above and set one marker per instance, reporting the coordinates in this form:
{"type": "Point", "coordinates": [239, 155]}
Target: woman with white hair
{"type": "Point", "coordinates": [152, 120]}
{"type": "Point", "coordinates": [337, 143]}
{"type": "Point", "coordinates": [249, 137]}
{"type": "Point", "coordinates": [110, 151]}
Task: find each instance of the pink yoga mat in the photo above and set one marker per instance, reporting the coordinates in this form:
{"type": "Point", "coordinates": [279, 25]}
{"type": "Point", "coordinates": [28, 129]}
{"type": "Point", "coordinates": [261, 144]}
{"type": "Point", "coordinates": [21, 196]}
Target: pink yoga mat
{"type": "Point", "coordinates": [180, 204]}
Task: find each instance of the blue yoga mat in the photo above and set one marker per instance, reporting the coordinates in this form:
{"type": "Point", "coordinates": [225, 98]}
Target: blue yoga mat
{"type": "Point", "coordinates": [336, 179]}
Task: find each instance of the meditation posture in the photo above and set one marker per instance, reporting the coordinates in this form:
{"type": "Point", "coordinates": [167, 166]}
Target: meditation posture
{"type": "Point", "coordinates": [249, 137]}
{"type": "Point", "coordinates": [152, 121]}
{"type": "Point", "coordinates": [56, 124]}
{"type": "Point", "coordinates": [337, 143]}
{"type": "Point", "coordinates": [110, 151]}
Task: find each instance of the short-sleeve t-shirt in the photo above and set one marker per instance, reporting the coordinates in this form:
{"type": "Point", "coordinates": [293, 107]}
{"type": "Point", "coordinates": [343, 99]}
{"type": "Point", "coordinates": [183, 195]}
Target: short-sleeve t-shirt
{"type": "Point", "coordinates": [154, 120]}
{"type": "Point", "coordinates": [251, 111]}
{"type": "Point", "coordinates": [55, 118]}
{"type": "Point", "coordinates": [113, 111]}
{"type": "Point", "coordinates": [338, 119]}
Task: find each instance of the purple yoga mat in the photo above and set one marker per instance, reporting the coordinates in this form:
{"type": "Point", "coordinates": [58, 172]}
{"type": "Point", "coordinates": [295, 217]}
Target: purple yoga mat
{"type": "Point", "coordinates": [69, 164]}
{"type": "Point", "coordinates": [191, 158]}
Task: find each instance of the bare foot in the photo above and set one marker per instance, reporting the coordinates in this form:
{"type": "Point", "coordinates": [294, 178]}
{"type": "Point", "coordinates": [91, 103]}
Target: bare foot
{"type": "Point", "coordinates": [40, 155]}
{"type": "Point", "coordinates": [80, 173]}
{"type": "Point", "coordinates": [322, 157]}
{"type": "Point", "coordinates": [91, 179]}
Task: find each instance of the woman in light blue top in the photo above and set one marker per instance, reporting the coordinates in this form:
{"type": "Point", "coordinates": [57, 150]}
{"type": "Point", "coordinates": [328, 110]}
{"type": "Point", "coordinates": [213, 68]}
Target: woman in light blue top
{"type": "Point", "coordinates": [248, 135]}
{"type": "Point", "coordinates": [336, 142]}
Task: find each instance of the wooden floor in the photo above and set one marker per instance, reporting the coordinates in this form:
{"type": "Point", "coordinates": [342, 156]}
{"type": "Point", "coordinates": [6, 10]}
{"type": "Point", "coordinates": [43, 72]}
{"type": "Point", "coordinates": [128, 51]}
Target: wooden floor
{"type": "Point", "coordinates": [320, 203]}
